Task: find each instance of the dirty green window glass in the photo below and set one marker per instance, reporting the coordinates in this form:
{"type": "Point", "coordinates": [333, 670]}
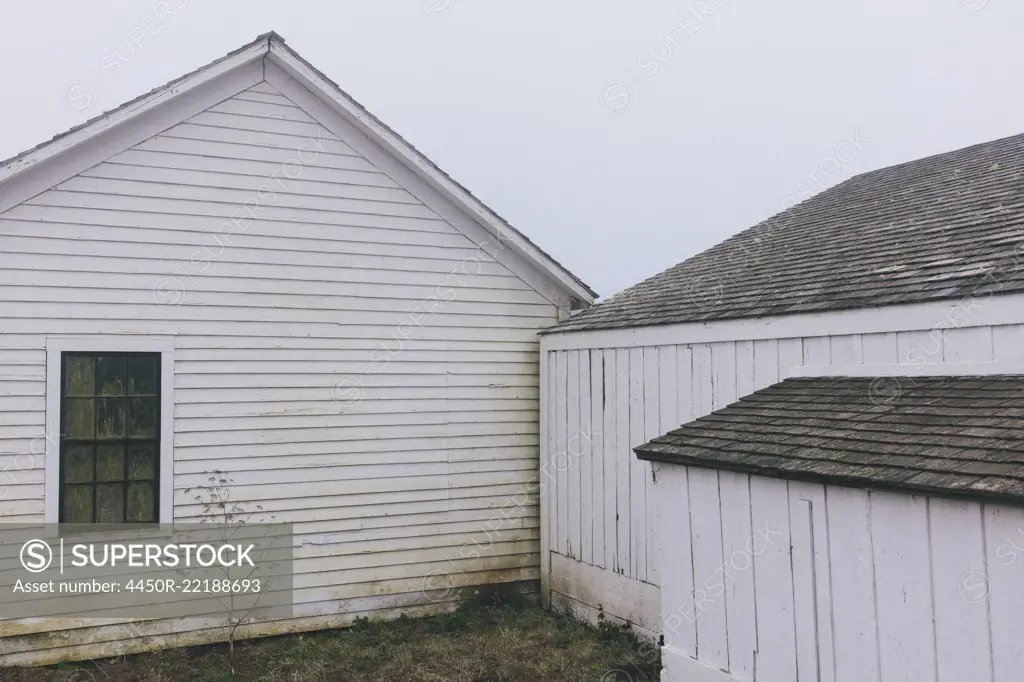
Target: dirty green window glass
{"type": "Point", "coordinates": [110, 438]}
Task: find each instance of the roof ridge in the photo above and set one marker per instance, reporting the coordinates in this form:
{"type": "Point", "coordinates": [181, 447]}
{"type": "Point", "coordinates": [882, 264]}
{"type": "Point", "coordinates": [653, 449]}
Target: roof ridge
{"type": "Point", "coordinates": [974, 193]}
{"type": "Point", "coordinates": [974, 146]}
{"type": "Point", "coordinates": [558, 284]}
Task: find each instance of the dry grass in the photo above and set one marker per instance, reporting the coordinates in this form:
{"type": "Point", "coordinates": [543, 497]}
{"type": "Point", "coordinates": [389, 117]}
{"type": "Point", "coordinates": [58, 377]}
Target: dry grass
{"type": "Point", "coordinates": [500, 641]}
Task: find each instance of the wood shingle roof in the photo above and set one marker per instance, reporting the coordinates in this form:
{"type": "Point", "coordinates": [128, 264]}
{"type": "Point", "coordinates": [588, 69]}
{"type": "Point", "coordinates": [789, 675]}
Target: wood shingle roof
{"type": "Point", "coordinates": [958, 436]}
{"type": "Point", "coordinates": [943, 227]}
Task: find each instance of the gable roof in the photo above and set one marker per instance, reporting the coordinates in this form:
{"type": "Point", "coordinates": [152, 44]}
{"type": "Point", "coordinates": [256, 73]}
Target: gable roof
{"type": "Point", "coordinates": [957, 436]}
{"type": "Point", "coordinates": [947, 226]}
{"type": "Point", "coordinates": [40, 167]}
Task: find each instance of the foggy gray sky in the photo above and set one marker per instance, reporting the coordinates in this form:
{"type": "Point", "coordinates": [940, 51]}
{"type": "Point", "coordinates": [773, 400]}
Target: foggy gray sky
{"type": "Point", "coordinates": [621, 137]}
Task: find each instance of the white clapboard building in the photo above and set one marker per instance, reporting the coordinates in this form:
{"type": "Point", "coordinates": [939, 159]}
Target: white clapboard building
{"type": "Point", "coordinates": [263, 279]}
{"type": "Point", "coordinates": [827, 413]}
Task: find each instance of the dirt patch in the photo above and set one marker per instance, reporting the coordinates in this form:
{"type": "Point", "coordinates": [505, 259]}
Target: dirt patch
{"type": "Point", "coordinates": [498, 640]}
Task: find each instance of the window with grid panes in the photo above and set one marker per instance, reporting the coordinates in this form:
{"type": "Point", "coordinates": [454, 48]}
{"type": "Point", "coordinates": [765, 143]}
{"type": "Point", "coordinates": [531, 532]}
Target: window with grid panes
{"type": "Point", "coordinates": [110, 438]}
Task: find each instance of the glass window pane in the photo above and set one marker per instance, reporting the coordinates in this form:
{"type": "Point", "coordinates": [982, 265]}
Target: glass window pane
{"type": "Point", "coordinates": [142, 459]}
{"type": "Point", "coordinates": [77, 504]}
{"type": "Point", "coordinates": [110, 417]}
{"type": "Point", "coordinates": [142, 503]}
{"type": "Point", "coordinates": [110, 462]}
{"type": "Point", "coordinates": [142, 374]}
{"type": "Point", "coordinates": [110, 503]}
{"type": "Point", "coordinates": [79, 375]}
{"type": "Point", "coordinates": [110, 375]}
{"type": "Point", "coordinates": [108, 401]}
{"type": "Point", "coordinates": [142, 417]}
{"type": "Point", "coordinates": [79, 418]}
{"type": "Point", "coordinates": [77, 462]}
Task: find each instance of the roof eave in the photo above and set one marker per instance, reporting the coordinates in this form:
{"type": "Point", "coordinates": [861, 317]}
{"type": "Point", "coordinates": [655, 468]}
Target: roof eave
{"type": "Point", "coordinates": [643, 453]}
{"type": "Point", "coordinates": [108, 120]}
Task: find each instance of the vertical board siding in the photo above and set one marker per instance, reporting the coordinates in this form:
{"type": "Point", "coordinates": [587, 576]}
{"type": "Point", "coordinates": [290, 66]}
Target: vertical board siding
{"type": "Point", "coordinates": [708, 568]}
{"type": "Point", "coordinates": [678, 608]}
{"type": "Point", "coordinates": [702, 387]}
{"type": "Point", "coordinates": [817, 351]}
{"type": "Point", "coordinates": [573, 450]}
{"type": "Point", "coordinates": [723, 375]}
{"type": "Point", "coordinates": [766, 363]}
{"type": "Point", "coordinates": [919, 347]}
{"type": "Point", "coordinates": [744, 368]}
{"type": "Point", "coordinates": [828, 583]}
{"type": "Point", "coordinates": [738, 575]}
{"type": "Point", "coordinates": [281, 261]}
{"type": "Point", "coordinates": [652, 429]}
{"type": "Point", "coordinates": [812, 585]}
{"type": "Point", "coordinates": [791, 354]}
{"type": "Point", "coordinates": [846, 350]}
{"type": "Point", "coordinates": [668, 410]}
{"type": "Point", "coordinates": [637, 468]}
{"type": "Point", "coordinates": [623, 465]}
{"type": "Point", "coordinates": [1008, 343]}
{"type": "Point", "coordinates": [852, 566]}
{"type": "Point", "coordinates": [773, 575]}
{"type": "Point", "coordinates": [563, 459]}
{"type": "Point", "coordinates": [998, 587]}
{"type": "Point", "coordinates": [879, 349]}
{"type": "Point", "coordinates": [968, 344]}
{"type": "Point", "coordinates": [586, 465]}
{"type": "Point", "coordinates": [597, 489]}
{"type": "Point", "coordinates": [639, 393]}
{"type": "Point", "coordinates": [804, 579]}
{"type": "Point", "coordinates": [903, 584]}
{"type": "Point", "coordinates": [610, 494]}
{"type": "Point", "coordinates": [549, 475]}
{"type": "Point", "coordinates": [961, 625]}
{"type": "Point", "coordinates": [686, 410]}
{"type": "Point", "coordinates": [817, 498]}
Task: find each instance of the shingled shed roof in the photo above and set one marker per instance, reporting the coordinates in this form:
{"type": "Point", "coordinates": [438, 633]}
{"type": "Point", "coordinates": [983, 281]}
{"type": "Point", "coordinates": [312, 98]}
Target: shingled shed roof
{"type": "Point", "coordinates": [959, 436]}
{"type": "Point", "coordinates": [942, 227]}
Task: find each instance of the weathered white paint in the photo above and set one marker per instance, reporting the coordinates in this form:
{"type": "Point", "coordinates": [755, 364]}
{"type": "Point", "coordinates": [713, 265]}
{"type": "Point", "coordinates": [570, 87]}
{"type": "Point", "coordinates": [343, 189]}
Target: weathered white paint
{"type": "Point", "coordinates": [415, 478]}
{"type": "Point", "coordinates": [624, 600]}
{"type": "Point", "coordinates": [848, 585]}
{"type": "Point", "coordinates": [655, 379]}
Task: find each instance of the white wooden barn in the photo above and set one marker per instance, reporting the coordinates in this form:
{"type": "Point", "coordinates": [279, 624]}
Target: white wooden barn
{"type": "Point", "coordinates": [293, 295]}
{"type": "Point", "coordinates": [860, 528]}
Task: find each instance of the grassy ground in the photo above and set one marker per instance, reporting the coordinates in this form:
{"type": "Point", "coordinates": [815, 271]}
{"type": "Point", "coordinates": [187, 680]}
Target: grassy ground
{"type": "Point", "coordinates": [500, 641]}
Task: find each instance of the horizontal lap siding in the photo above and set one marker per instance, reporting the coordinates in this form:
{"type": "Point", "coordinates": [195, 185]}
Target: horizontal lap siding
{"type": "Point", "coordinates": [343, 274]}
{"type": "Point", "coordinates": [642, 392]}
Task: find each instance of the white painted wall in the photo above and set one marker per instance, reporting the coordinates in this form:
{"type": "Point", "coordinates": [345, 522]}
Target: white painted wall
{"type": "Point", "coordinates": [781, 580]}
{"type": "Point", "coordinates": [605, 392]}
{"type": "Point", "coordinates": [418, 470]}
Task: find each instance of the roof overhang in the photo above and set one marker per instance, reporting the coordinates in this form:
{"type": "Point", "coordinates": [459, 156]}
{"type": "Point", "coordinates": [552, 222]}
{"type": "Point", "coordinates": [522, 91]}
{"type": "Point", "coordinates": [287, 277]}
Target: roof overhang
{"type": "Point", "coordinates": [952, 436]}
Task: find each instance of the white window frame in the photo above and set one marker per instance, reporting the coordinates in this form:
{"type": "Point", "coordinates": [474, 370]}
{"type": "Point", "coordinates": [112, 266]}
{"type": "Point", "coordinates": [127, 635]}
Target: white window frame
{"type": "Point", "coordinates": [56, 346]}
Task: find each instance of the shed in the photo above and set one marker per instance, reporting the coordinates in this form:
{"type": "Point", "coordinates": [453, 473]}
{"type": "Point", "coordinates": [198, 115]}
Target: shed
{"type": "Point", "coordinates": [307, 304]}
{"type": "Point", "coordinates": [904, 272]}
{"type": "Point", "coordinates": [820, 530]}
